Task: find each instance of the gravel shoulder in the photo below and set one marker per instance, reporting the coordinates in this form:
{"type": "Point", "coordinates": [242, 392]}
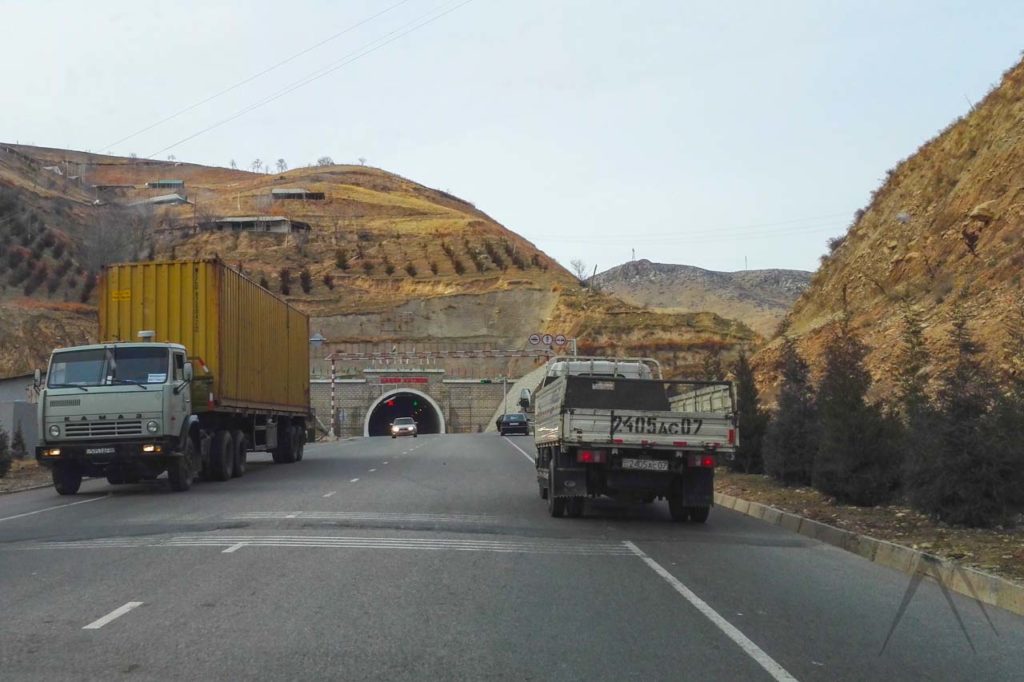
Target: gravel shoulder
{"type": "Point", "coordinates": [24, 474]}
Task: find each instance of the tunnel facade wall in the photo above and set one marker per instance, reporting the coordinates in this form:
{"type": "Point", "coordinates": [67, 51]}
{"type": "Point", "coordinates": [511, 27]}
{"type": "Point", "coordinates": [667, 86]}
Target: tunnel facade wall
{"type": "Point", "coordinates": [466, 405]}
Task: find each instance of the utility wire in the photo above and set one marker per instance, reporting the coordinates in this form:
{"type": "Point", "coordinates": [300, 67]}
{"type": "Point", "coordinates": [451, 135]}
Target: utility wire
{"type": "Point", "coordinates": [353, 56]}
{"type": "Point", "coordinates": [254, 76]}
{"type": "Point", "coordinates": [703, 235]}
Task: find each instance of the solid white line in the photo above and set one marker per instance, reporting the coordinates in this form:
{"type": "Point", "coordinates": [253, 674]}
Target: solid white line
{"type": "Point", "coordinates": [372, 470]}
{"type": "Point", "coordinates": [330, 493]}
{"type": "Point", "coordinates": [235, 547]}
{"type": "Point", "coordinates": [354, 480]}
{"type": "Point", "coordinates": [59, 506]}
{"type": "Point", "coordinates": [116, 613]}
{"type": "Point", "coordinates": [527, 456]}
{"type": "Point", "coordinates": [290, 516]}
{"type": "Point", "coordinates": [755, 652]}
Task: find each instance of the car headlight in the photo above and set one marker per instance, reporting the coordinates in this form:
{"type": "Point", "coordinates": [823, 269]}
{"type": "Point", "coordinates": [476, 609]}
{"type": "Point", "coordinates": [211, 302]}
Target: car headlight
{"type": "Point", "coordinates": [152, 426]}
{"type": "Point", "coordinates": [54, 430]}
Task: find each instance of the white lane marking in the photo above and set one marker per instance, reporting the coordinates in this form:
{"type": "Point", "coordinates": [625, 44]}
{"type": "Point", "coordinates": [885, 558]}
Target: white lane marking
{"type": "Point", "coordinates": [385, 462]}
{"type": "Point", "coordinates": [354, 480]}
{"type": "Point", "coordinates": [116, 613]}
{"type": "Point", "coordinates": [755, 652]}
{"type": "Point", "coordinates": [290, 516]}
{"type": "Point", "coordinates": [527, 456]}
{"type": "Point", "coordinates": [330, 493]}
{"type": "Point", "coordinates": [372, 470]}
{"type": "Point", "coordinates": [367, 516]}
{"type": "Point", "coordinates": [234, 548]}
{"type": "Point", "coordinates": [59, 506]}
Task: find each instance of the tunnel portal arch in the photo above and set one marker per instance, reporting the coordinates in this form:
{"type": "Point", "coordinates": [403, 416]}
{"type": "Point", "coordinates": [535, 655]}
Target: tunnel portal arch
{"type": "Point", "coordinates": [403, 402]}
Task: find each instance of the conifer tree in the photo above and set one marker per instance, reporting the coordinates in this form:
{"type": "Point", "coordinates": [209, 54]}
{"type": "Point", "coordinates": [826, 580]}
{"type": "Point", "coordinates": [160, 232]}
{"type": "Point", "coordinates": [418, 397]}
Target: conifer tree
{"type": "Point", "coordinates": [791, 440]}
{"type": "Point", "coordinates": [753, 420]}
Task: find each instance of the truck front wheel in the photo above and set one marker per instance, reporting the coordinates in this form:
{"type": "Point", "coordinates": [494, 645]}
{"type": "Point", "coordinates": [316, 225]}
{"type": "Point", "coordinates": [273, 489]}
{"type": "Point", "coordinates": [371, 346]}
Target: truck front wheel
{"type": "Point", "coordinates": [222, 456]}
{"type": "Point", "coordinates": [67, 479]}
{"type": "Point", "coordinates": [238, 447]}
{"type": "Point", "coordinates": [179, 473]}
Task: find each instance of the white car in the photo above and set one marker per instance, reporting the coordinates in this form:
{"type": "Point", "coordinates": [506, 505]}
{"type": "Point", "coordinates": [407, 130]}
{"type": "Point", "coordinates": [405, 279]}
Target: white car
{"type": "Point", "coordinates": [403, 426]}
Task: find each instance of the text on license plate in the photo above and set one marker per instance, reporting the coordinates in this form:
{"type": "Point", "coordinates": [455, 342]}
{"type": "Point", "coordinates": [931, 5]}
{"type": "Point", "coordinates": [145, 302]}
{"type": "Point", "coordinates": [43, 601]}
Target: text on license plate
{"type": "Point", "coordinates": [645, 464]}
{"type": "Point", "coordinates": [99, 451]}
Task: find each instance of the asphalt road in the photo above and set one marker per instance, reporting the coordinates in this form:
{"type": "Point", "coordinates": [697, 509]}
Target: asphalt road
{"type": "Point", "coordinates": [434, 558]}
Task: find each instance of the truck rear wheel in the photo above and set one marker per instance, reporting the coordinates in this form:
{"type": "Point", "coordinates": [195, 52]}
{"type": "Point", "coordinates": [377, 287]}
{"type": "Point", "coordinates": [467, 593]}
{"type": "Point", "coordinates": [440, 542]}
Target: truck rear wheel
{"type": "Point", "coordinates": [283, 453]}
{"type": "Point", "coordinates": [677, 509]}
{"type": "Point", "coordinates": [221, 456]}
{"type": "Point", "coordinates": [67, 479]}
{"type": "Point", "coordinates": [298, 443]}
{"type": "Point", "coordinates": [238, 447]}
{"type": "Point", "coordinates": [556, 505]}
{"type": "Point", "coordinates": [699, 514]}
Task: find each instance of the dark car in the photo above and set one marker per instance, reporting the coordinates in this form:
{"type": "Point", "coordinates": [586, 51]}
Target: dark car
{"type": "Point", "coordinates": [513, 423]}
{"type": "Point", "coordinates": [403, 426]}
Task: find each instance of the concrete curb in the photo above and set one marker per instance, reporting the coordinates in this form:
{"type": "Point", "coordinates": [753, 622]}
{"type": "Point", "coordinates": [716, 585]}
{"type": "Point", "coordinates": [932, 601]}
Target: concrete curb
{"type": "Point", "coordinates": [983, 587]}
{"type": "Point", "coordinates": [39, 486]}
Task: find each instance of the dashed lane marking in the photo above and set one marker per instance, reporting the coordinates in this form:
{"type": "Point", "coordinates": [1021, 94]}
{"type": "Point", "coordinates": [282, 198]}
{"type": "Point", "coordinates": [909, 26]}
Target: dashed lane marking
{"type": "Point", "coordinates": [354, 480]}
{"type": "Point", "coordinates": [234, 548]}
{"type": "Point", "coordinates": [331, 494]}
{"type": "Point", "coordinates": [113, 615]}
{"type": "Point", "coordinates": [755, 652]}
{"type": "Point", "coordinates": [59, 506]}
{"type": "Point", "coordinates": [372, 470]}
{"type": "Point", "coordinates": [525, 454]}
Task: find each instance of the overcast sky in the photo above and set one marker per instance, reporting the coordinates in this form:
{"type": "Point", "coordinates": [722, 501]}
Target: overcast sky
{"type": "Point", "coordinates": [701, 133]}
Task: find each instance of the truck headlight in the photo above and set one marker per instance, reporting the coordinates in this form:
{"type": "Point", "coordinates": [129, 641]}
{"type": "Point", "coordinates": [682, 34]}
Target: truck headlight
{"type": "Point", "coordinates": [152, 426]}
{"type": "Point", "coordinates": [54, 431]}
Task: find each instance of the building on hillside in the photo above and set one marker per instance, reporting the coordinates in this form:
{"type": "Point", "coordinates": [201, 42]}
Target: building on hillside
{"type": "Point", "coordinates": [17, 407]}
{"type": "Point", "coordinates": [279, 194]}
{"type": "Point", "coordinates": [163, 199]}
{"type": "Point", "coordinates": [166, 184]}
{"type": "Point", "coordinates": [270, 223]}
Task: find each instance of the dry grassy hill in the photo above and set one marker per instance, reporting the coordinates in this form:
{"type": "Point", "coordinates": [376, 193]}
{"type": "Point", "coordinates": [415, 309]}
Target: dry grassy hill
{"type": "Point", "coordinates": [947, 224]}
{"type": "Point", "coordinates": [384, 260]}
{"type": "Point", "coordinates": [760, 298]}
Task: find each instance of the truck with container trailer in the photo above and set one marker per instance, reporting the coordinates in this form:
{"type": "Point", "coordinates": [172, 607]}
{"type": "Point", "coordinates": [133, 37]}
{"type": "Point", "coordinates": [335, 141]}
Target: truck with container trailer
{"type": "Point", "coordinates": [196, 365]}
{"type": "Point", "coordinates": [615, 427]}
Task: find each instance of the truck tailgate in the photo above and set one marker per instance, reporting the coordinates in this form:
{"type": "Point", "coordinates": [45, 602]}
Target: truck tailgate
{"type": "Point", "coordinates": [644, 428]}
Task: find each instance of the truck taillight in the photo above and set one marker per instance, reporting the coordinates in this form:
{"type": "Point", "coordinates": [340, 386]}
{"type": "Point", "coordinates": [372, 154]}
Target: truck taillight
{"type": "Point", "coordinates": [590, 456]}
{"type": "Point", "coordinates": [732, 436]}
{"type": "Point", "coordinates": [705, 461]}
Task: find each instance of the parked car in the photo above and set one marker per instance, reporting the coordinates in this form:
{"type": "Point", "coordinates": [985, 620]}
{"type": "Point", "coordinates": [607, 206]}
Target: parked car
{"type": "Point", "coordinates": [514, 423]}
{"type": "Point", "coordinates": [403, 426]}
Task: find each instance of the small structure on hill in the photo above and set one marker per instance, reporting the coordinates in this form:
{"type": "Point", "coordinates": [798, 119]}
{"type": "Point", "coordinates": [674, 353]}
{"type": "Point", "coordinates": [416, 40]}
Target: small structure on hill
{"type": "Point", "coordinates": [162, 200]}
{"type": "Point", "coordinates": [279, 194]}
{"type": "Point", "coordinates": [269, 223]}
{"type": "Point", "coordinates": [166, 184]}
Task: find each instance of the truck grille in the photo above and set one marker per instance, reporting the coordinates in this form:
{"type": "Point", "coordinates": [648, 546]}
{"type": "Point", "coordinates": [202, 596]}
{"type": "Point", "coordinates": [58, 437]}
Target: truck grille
{"type": "Point", "coordinates": [98, 428]}
{"type": "Point", "coordinates": [67, 402]}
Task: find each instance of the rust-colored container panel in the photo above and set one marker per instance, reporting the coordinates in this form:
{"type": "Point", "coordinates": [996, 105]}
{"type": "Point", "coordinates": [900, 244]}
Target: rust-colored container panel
{"type": "Point", "coordinates": [255, 345]}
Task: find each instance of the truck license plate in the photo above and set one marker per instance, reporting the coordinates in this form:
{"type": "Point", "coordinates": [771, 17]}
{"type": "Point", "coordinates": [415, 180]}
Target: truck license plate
{"type": "Point", "coordinates": [99, 451]}
{"type": "Point", "coordinates": [645, 464]}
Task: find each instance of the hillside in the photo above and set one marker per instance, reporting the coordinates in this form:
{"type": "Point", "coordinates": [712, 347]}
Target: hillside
{"type": "Point", "coordinates": [760, 298]}
{"type": "Point", "coordinates": [947, 225]}
{"type": "Point", "coordinates": [377, 260]}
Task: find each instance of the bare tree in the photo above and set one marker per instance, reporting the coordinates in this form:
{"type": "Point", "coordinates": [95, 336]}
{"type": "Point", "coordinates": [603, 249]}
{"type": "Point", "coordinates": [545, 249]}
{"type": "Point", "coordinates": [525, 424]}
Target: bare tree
{"type": "Point", "coordinates": [233, 164]}
{"type": "Point", "coordinates": [362, 160]}
{"type": "Point", "coordinates": [172, 157]}
{"type": "Point", "coordinates": [256, 166]}
{"type": "Point", "coordinates": [325, 161]}
{"type": "Point", "coordinates": [579, 268]}
{"type": "Point", "coordinates": [122, 235]}
{"type": "Point", "coordinates": [282, 166]}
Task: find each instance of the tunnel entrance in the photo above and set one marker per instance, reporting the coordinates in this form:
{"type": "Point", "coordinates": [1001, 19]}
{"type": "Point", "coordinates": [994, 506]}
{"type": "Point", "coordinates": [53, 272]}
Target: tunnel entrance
{"type": "Point", "coordinates": [403, 403]}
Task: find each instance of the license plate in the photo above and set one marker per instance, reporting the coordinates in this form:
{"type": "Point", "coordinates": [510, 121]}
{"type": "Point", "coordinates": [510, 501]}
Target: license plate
{"type": "Point", "coordinates": [645, 464]}
{"type": "Point", "coordinates": [99, 451]}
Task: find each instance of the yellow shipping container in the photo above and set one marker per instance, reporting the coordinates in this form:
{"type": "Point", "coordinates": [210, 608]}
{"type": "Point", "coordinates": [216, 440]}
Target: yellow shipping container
{"type": "Point", "coordinates": [250, 343]}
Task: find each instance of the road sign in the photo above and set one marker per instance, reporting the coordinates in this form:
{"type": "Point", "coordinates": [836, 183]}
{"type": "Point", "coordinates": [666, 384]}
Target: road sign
{"type": "Point", "coordinates": [560, 340]}
{"type": "Point", "coordinates": [547, 339]}
{"type": "Point", "coordinates": [534, 339]}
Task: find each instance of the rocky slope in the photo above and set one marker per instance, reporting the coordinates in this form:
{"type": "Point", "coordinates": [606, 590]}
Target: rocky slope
{"type": "Point", "coordinates": [760, 298]}
{"type": "Point", "coordinates": [384, 261]}
{"type": "Point", "coordinates": [947, 226]}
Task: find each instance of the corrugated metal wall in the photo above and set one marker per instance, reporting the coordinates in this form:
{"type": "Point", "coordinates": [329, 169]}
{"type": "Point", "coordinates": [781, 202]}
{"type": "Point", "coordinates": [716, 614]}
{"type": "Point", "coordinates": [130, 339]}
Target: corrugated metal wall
{"type": "Point", "coordinates": [255, 345]}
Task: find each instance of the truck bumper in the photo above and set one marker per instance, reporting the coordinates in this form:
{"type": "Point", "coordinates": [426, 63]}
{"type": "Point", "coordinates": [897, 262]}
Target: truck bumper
{"type": "Point", "coordinates": [98, 459]}
{"type": "Point", "coordinates": [569, 482]}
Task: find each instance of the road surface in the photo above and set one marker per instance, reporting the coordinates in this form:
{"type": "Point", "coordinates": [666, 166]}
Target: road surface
{"type": "Point", "coordinates": [434, 558]}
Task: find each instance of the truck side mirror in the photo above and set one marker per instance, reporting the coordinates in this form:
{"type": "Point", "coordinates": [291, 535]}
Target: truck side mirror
{"type": "Point", "coordinates": [37, 379]}
{"type": "Point", "coordinates": [188, 371]}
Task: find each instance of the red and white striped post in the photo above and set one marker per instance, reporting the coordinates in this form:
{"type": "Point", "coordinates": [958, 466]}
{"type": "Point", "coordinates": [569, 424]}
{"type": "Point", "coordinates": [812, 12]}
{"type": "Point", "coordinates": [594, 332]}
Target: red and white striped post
{"type": "Point", "coordinates": [334, 412]}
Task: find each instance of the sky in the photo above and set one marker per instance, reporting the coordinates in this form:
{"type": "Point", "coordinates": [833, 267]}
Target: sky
{"type": "Point", "coordinates": [727, 135]}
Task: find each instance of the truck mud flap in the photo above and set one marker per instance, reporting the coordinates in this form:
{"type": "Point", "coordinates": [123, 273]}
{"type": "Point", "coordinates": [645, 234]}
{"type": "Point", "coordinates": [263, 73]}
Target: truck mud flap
{"type": "Point", "coordinates": [698, 488]}
{"type": "Point", "coordinates": [570, 483]}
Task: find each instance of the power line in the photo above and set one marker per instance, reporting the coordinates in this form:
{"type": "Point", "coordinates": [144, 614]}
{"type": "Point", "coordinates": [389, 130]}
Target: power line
{"type": "Point", "coordinates": [353, 56]}
{"type": "Point", "coordinates": [703, 235]}
{"type": "Point", "coordinates": [254, 76]}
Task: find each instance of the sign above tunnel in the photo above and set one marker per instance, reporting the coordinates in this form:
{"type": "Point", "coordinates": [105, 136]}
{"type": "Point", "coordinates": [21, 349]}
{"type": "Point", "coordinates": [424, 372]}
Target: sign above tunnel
{"type": "Point", "coordinates": [403, 380]}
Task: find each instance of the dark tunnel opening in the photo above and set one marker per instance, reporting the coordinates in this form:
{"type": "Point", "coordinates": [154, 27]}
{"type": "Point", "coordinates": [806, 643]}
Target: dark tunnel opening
{"type": "Point", "coordinates": [404, 405]}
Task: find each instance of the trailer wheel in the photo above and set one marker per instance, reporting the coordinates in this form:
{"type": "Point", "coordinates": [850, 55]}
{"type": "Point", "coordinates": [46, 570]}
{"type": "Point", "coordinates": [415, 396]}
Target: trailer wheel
{"type": "Point", "coordinates": [574, 507]}
{"type": "Point", "coordinates": [298, 443]}
{"type": "Point", "coordinates": [699, 514]}
{"type": "Point", "coordinates": [556, 505]}
{"type": "Point", "coordinates": [67, 479]}
{"type": "Point", "coordinates": [283, 453]}
{"type": "Point", "coordinates": [238, 447]}
{"type": "Point", "coordinates": [221, 456]}
{"type": "Point", "coordinates": [179, 473]}
{"type": "Point", "coordinates": [677, 509]}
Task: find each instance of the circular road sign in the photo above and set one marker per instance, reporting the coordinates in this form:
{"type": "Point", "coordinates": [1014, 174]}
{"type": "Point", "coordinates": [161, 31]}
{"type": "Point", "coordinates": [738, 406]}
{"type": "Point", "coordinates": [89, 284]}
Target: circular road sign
{"type": "Point", "coordinates": [560, 340]}
{"type": "Point", "coordinates": [547, 339]}
{"type": "Point", "coordinates": [534, 339]}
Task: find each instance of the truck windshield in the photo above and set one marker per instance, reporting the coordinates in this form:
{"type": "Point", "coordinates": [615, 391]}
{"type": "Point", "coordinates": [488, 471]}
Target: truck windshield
{"type": "Point", "coordinates": [106, 366]}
